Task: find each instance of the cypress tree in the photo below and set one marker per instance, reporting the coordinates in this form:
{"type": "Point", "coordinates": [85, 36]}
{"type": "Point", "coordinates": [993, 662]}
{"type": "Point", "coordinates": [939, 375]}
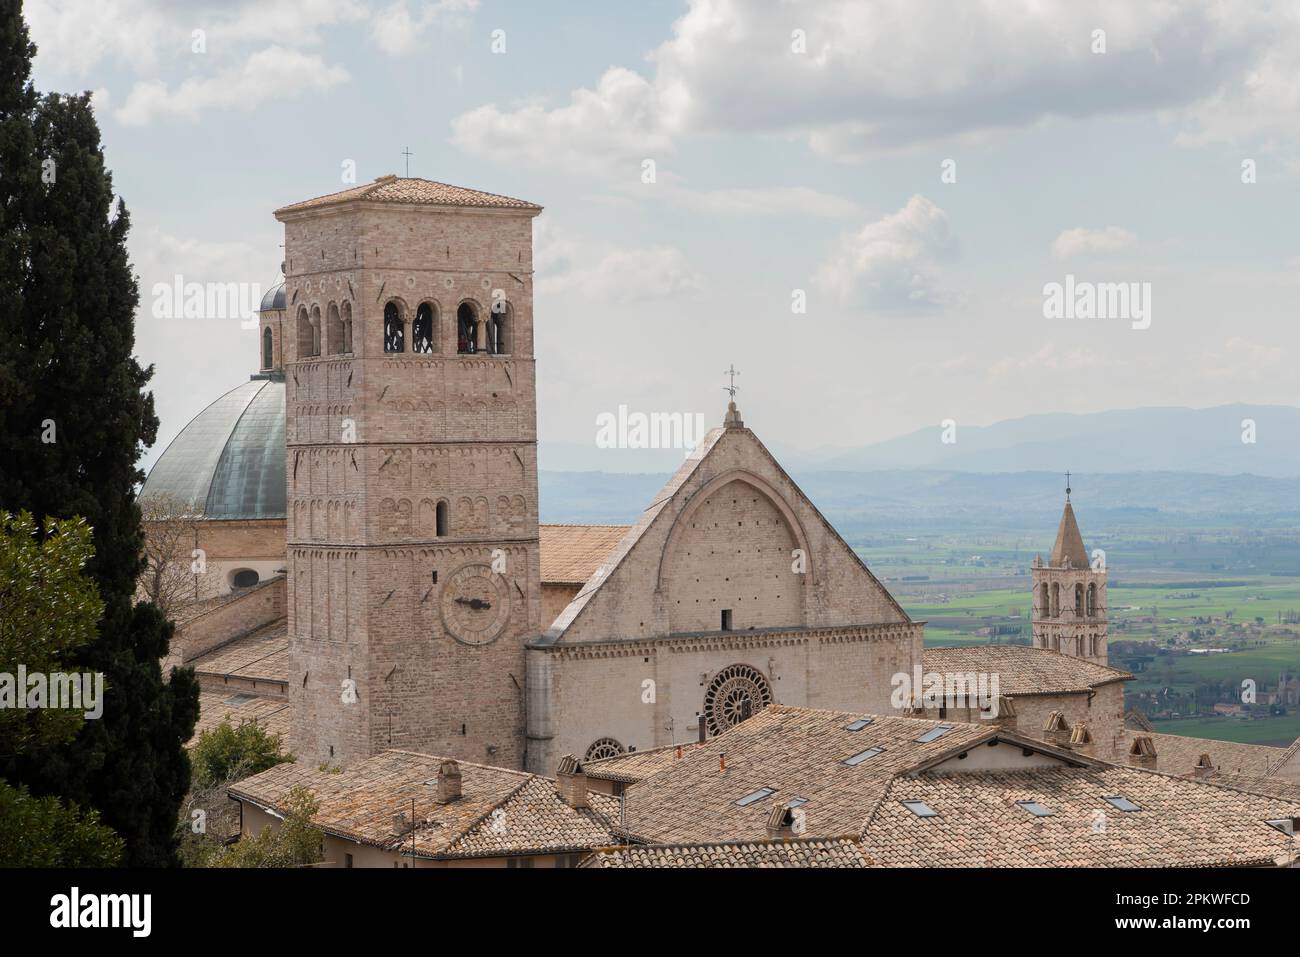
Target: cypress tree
{"type": "Point", "coordinates": [74, 420]}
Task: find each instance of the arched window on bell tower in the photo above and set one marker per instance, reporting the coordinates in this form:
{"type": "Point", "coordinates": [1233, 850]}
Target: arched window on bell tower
{"type": "Point", "coordinates": [333, 330]}
{"type": "Point", "coordinates": [315, 330]}
{"type": "Point", "coordinates": [304, 333]}
{"type": "Point", "coordinates": [466, 329]}
{"type": "Point", "coordinates": [347, 327]}
{"type": "Point", "coordinates": [422, 329]}
{"type": "Point", "coordinates": [1078, 601]}
{"type": "Point", "coordinates": [1056, 599]}
{"type": "Point", "coordinates": [1044, 606]}
{"type": "Point", "coordinates": [268, 348]}
{"type": "Point", "coordinates": [498, 328]}
{"type": "Point", "coordinates": [1092, 600]}
{"type": "Point", "coordinates": [440, 519]}
{"type": "Point", "coordinates": [394, 331]}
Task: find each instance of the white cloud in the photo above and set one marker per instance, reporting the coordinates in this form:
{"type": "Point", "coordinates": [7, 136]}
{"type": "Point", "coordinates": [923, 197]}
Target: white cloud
{"type": "Point", "coordinates": [399, 33]}
{"type": "Point", "coordinates": [1047, 359]}
{"type": "Point", "coordinates": [617, 123]}
{"type": "Point", "coordinates": [271, 73]}
{"type": "Point", "coordinates": [76, 36]}
{"type": "Point", "coordinates": [566, 266]}
{"type": "Point", "coordinates": [889, 74]}
{"type": "Point", "coordinates": [1082, 241]}
{"type": "Point", "coordinates": [893, 264]}
{"type": "Point", "coordinates": [771, 201]}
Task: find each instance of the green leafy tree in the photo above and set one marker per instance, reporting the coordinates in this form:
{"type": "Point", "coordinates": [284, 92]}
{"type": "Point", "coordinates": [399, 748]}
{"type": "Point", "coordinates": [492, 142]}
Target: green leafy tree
{"type": "Point", "coordinates": [294, 842]}
{"type": "Point", "coordinates": [74, 419]}
{"type": "Point", "coordinates": [226, 753]}
{"type": "Point", "coordinates": [43, 832]}
{"type": "Point", "coordinates": [48, 610]}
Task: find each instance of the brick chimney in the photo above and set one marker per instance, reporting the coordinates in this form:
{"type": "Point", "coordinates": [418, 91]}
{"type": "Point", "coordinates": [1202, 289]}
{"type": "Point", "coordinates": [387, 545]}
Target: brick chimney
{"type": "Point", "coordinates": [1142, 752]}
{"type": "Point", "coordinates": [571, 782]}
{"type": "Point", "coordinates": [1004, 713]}
{"type": "Point", "coordinates": [448, 782]}
{"type": "Point", "coordinates": [1204, 767]}
{"type": "Point", "coordinates": [780, 822]}
{"type": "Point", "coordinates": [1057, 730]}
{"type": "Point", "coordinates": [1081, 739]}
{"type": "Point", "coordinates": [401, 824]}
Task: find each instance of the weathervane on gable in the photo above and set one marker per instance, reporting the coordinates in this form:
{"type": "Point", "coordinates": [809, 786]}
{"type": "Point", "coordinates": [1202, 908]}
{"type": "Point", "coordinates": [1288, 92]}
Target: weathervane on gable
{"type": "Point", "coordinates": [733, 388]}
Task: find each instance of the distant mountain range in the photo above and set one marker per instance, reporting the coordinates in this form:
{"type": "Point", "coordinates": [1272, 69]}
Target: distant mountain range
{"type": "Point", "coordinates": [1206, 441]}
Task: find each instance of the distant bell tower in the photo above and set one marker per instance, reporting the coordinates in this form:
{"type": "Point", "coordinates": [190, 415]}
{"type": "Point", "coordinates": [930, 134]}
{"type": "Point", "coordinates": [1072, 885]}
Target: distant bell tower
{"type": "Point", "coordinates": [411, 439]}
{"type": "Point", "coordinates": [1069, 599]}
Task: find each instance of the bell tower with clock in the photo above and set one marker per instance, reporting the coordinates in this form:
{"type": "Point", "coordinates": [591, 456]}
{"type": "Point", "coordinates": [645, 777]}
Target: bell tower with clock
{"type": "Point", "coordinates": [412, 471]}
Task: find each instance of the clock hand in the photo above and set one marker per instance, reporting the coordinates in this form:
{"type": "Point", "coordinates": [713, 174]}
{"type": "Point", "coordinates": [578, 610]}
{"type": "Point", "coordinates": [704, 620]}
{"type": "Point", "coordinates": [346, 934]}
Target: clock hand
{"type": "Point", "coordinates": [478, 604]}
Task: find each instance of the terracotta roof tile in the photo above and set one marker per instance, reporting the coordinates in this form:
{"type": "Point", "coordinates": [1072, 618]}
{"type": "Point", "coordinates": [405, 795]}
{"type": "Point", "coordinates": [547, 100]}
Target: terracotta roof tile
{"type": "Point", "coordinates": [215, 706]}
{"type": "Point", "coordinates": [812, 852]}
{"type": "Point", "coordinates": [499, 812]}
{"type": "Point", "coordinates": [570, 554]}
{"type": "Point", "coordinates": [412, 191]}
{"type": "Point", "coordinates": [262, 655]}
{"type": "Point", "coordinates": [1180, 822]}
{"type": "Point", "coordinates": [1178, 754]}
{"type": "Point", "coordinates": [1023, 670]}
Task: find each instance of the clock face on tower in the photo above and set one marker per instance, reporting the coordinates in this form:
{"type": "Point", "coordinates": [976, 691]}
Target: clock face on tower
{"type": "Point", "coordinates": [475, 604]}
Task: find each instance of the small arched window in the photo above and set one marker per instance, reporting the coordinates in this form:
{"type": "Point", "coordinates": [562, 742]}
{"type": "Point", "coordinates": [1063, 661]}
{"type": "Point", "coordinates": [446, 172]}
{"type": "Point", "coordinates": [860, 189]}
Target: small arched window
{"type": "Point", "coordinates": [1092, 600]}
{"type": "Point", "coordinates": [304, 333]}
{"type": "Point", "coordinates": [244, 578]}
{"type": "Point", "coordinates": [1044, 608]}
{"type": "Point", "coordinates": [422, 329]}
{"type": "Point", "coordinates": [1056, 599]}
{"type": "Point", "coordinates": [1078, 600]}
{"type": "Point", "coordinates": [268, 348]}
{"type": "Point", "coordinates": [440, 528]}
{"type": "Point", "coordinates": [334, 330]}
{"type": "Point", "coordinates": [347, 327]}
{"type": "Point", "coordinates": [466, 329]}
{"type": "Point", "coordinates": [315, 330]}
{"type": "Point", "coordinates": [497, 328]}
{"type": "Point", "coordinates": [394, 330]}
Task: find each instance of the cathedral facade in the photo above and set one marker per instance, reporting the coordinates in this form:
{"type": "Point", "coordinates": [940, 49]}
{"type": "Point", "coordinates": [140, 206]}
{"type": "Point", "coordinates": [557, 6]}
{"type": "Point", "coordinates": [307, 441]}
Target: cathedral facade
{"type": "Point", "coordinates": [422, 605]}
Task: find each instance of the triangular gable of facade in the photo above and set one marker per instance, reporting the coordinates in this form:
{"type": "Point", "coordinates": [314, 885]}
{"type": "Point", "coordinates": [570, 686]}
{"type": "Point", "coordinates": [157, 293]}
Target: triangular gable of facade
{"type": "Point", "coordinates": [625, 598]}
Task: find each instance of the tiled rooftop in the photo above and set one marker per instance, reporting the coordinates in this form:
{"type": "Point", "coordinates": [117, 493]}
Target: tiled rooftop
{"type": "Point", "coordinates": [215, 706]}
{"type": "Point", "coordinates": [815, 852]}
{"type": "Point", "coordinates": [500, 811]}
{"type": "Point", "coordinates": [1176, 754]}
{"type": "Point", "coordinates": [1179, 822]}
{"type": "Point", "coordinates": [411, 191]}
{"type": "Point", "coordinates": [1023, 670]}
{"type": "Point", "coordinates": [262, 655]}
{"type": "Point", "coordinates": [570, 554]}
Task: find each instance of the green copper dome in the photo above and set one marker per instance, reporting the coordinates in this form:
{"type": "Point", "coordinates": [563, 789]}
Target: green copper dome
{"type": "Point", "coordinates": [229, 461]}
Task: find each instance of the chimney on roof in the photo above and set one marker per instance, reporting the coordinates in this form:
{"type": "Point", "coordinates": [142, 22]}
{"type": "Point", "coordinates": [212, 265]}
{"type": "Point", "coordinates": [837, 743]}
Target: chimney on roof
{"type": "Point", "coordinates": [704, 730]}
{"type": "Point", "coordinates": [448, 782]}
{"type": "Point", "coordinates": [401, 824]}
{"type": "Point", "coordinates": [571, 782]}
{"type": "Point", "coordinates": [1004, 713]}
{"type": "Point", "coordinates": [1204, 766]}
{"type": "Point", "coordinates": [1142, 752]}
{"type": "Point", "coordinates": [1081, 739]}
{"type": "Point", "coordinates": [1057, 730]}
{"type": "Point", "coordinates": [780, 821]}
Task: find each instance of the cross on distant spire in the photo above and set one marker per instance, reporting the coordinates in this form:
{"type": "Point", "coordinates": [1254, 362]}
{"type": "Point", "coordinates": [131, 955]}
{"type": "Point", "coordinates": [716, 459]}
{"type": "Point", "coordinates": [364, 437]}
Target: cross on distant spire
{"type": "Point", "coordinates": [406, 151]}
{"type": "Point", "coordinates": [733, 388]}
{"type": "Point", "coordinates": [1067, 486]}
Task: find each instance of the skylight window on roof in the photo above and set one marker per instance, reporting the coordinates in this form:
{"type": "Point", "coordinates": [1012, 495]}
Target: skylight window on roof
{"type": "Point", "coordinates": [934, 734]}
{"type": "Point", "coordinates": [862, 756]}
{"type": "Point", "coordinates": [920, 808]}
{"type": "Point", "coordinates": [239, 698]}
{"type": "Point", "coordinates": [795, 802]}
{"type": "Point", "coordinates": [1036, 809]}
{"type": "Point", "coordinates": [753, 797]}
{"type": "Point", "coordinates": [858, 725]}
{"type": "Point", "coordinates": [1123, 803]}
{"type": "Point", "coordinates": [1287, 825]}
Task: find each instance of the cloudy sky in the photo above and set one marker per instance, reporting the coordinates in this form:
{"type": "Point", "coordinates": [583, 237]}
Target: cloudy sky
{"type": "Point", "coordinates": [912, 172]}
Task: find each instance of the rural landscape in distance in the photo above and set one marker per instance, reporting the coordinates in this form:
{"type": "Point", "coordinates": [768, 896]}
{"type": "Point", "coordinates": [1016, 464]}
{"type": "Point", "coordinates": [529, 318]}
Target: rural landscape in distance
{"type": "Point", "coordinates": [692, 435]}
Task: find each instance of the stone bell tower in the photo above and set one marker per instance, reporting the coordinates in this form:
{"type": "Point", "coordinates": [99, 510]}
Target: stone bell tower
{"type": "Point", "coordinates": [412, 470]}
{"type": "Point", "coordinates": [1069, 600]}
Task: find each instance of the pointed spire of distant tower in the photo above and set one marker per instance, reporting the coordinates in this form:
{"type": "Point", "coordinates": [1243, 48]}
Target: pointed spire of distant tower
{"type": "Point", "coordinates": [732, 420]}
